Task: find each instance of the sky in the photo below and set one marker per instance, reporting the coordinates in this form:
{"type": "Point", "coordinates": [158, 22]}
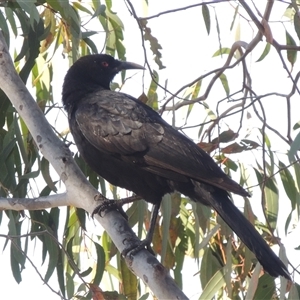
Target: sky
{"type": "Point", "coordinates": [187, 53]}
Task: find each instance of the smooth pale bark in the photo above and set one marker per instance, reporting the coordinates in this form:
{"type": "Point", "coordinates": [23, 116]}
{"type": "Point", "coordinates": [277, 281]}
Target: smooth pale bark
{"type": "Point", "coordinates": [79, 191]}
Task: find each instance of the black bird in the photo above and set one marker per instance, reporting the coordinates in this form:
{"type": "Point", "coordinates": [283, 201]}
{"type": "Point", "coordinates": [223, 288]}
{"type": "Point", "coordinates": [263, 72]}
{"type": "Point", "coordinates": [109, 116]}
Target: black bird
{"type": "Point", "coordinates": [131, 146]}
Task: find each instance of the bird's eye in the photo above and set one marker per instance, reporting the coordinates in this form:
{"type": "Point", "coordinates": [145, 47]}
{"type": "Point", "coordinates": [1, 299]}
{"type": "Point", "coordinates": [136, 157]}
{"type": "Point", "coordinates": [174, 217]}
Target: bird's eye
{"type": "Point", "coordinates": [104, 64]}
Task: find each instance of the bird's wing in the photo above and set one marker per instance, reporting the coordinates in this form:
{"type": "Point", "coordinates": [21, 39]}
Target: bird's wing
{"type": "Point", "coordinates": [121, 125]}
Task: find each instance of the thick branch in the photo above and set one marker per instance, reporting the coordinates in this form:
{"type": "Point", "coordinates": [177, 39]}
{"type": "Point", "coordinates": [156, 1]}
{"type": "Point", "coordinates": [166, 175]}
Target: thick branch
{"type": "Point", "coordinates": [34, 203]}
{"type": "Point", "coordinates": [80, 192]}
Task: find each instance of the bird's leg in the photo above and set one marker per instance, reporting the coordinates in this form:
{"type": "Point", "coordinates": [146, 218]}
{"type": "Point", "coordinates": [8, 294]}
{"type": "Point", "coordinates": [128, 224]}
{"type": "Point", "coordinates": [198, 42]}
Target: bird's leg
{"type": "Point", "coordinates": [107, 205]}
{"type": "Point", "coordinates": [146, 243]}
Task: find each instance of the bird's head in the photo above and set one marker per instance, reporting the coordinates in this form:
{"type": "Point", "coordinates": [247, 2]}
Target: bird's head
{"type": "Point", "coordinates": [98, 69]}
{"type": "Point", "coordinates": [90, 73]}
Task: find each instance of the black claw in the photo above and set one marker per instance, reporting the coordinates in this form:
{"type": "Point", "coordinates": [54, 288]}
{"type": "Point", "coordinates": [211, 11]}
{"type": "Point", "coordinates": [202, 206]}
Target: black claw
{"type": "Point", "coordinates": [108, 205]}
{"type": "Point", "coordinates": [135, 248]}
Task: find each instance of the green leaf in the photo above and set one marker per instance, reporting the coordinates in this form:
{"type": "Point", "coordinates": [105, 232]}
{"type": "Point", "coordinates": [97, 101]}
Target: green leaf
{"type": "Point", "coordinates": [29, 7]}
{"type": "Point", "coordinates": [91, 44]}
{"type": "Point", "coordinates": [234, 16]}
{"type": "Point", "coordinates": [210, 265]}
{"type": "Point", "coordinates": [222, 51]}
{"type": "Point", "coordinates": [99, 9]}
{"type": "Point", "coordinates": [288, 184]}
{"type": "Point", "coordinates": [296, 126]}
{"type": "Point", "coordinates": [206, 17]}
{"type": "Point", "coordinates": [225, 137]}
{"type": "Point", "coordinates": [15, 267]}
{"type": "Point", "coordinates": [4, 28]}
{"type": "Point", "coordinates": [81, 215]}
{"type": "Point", "coordinates": [297, 23]}
{"type": "Point", "coordinates": [46, 174]}
{"type": "Point", "coordinates": [86, 272]}
{"type": "Point", "coordinates": [218, 31]}
{"type": "Point", "coordinates": [70, 286]}
{"type": "Point", "coordinates": [166, 213]}
{"type": "Point", "coordinates": [266, 288]}
{"type": "Point", "coordinates": [294, 292]}
{"type": "Point", "coordinates": [265, 52]}
{"type": "Point", "coordinates": [291, 54]}
{"type": "Point", "coordinates": [295, 146]}
{"type": "Point", "coordinates": [152, 92]}
{"type": "Point", "coordinates": [60, 274]}
{"type": "Point", "coordinates": [144, 297]}
{"type": "Point", "coordinates": [214, 285]}
{"type": "Point", "coordinates": [79, 6]}
{"type": "Point", "coordinates": [271, 197]}
{"type": "Point", "coordinates": [100, 265]}
{"type": "Point", "coordinates": [224, 81]}
{"type": "Point", "coordinates": [10, 17]}
{"type": "Point", "coordinates": [53, 250]}
{"type": "Point", "coordinates": [129, 281]}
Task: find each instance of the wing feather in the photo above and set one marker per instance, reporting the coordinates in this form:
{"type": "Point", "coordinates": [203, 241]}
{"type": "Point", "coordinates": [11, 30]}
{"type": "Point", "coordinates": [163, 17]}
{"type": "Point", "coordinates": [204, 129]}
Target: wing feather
{"type": "Point", "coordinates": [121, 125]}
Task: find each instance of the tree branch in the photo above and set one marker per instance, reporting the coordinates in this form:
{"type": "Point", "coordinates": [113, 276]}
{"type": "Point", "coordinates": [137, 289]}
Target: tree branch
{"type": "Point", "coordinates": [34, 203]}
{"type": "Point", "coordinates": [80, 192]}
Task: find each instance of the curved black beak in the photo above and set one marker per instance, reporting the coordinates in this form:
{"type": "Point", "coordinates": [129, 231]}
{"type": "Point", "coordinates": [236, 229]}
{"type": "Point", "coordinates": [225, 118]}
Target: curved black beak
{"type": "Point", "coordinates": [126, 65]}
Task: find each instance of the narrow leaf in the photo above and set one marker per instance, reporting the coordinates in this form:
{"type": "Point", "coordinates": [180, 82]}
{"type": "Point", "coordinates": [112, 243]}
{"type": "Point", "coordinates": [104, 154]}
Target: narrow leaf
{"type": "Point", "coordinates": [297, 23]}
{"type": "Point", "coordinates": [206, 17]}
{"type": "Point", "coordinates": [213, 286]}
{"type": "Point", "coordinates": [224, 81]}
{"type": "Point", "coordinates": [129, 281]}
{"type": "Point", "coordinates": [222, 51]}
{"type": "Point", "coordinates": [46, 174]}
{"type": "Point", "coordinates": [288, 184]}
{"type": "Point", "coordinates": [100, 265]}
{"type": "Point", "coordinates": [234, 17]}
{"type": "Point", "coordinates": [265, 52]}
{"type": "Point", "coordinates": [291, 54]}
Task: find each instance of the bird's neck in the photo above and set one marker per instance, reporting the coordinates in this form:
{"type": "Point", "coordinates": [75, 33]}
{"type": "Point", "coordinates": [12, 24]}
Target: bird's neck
{"type": "Point", "coordinates": [74, 92]}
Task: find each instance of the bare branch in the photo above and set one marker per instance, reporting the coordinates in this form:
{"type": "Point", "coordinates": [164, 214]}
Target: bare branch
{"type": "Point", "coordinates": [34, 203]}
{"type": "Point", "coordinates": [80, 192]}
{"type": "Point", "coordinates": [183, 8]}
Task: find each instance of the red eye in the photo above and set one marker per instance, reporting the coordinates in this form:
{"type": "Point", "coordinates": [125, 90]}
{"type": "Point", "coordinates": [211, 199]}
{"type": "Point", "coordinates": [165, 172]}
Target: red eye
{"type": "Point", "coordinates": [104, 64]}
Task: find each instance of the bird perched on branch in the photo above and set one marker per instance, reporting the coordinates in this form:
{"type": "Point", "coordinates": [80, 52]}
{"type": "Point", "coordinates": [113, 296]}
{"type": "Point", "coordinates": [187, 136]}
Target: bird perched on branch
{"type": "Point", "coordinates": [131, 146]}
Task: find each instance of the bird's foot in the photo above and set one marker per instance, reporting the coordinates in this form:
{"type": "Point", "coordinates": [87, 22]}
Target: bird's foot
{"type": "Point", "coordinates": [134, 248]}
{"type": "Point", "coordinates": [108, 205]}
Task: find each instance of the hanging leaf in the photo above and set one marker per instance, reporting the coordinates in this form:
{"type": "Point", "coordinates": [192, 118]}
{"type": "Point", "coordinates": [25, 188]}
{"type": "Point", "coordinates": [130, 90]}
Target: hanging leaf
{"type": "Point", "coordinates": [234, 16]}
{"type": "Point", "coordinates": [46, 174]}
{"type": "Point", "coordinates": [206, 17]}
{"type": "Point", "coordinates": [265, 288]}
{"type": "Point", "coordinates": [296, 126]}
{"type": "Point", "coordinates": [271, 198]}
{"type": "Point", "coordinates": [297, 23]}
{"type": "Point", "coordinates": [152, 92]}
{"type": "Point", "coordinates": [29, 7]}
{"type": "Point", "coordinates": [288, 184]}
{"type": "Point", "coordinates": [218, 31]}
{"type": "Point", "coordinates": [295, 146]}
{"type": "Point", "coordinates": [224, 81]}
{"type": "Point", "coordinates": [100, 264]}
{"type": "Point", "coordinates": [265, 52]}
{"type": "Point", "coordinates": [129, 281]}
{"type": "Point", "coordinates": [214, 285]}
{"type": "Point", "coordinates": [4, 28]}
{"type": "Point", "coordinates": [222, 51]}
{"type": "Point", "coordinates": [291, 54]}
{"type": "Point", "coordinates": [209, 267]}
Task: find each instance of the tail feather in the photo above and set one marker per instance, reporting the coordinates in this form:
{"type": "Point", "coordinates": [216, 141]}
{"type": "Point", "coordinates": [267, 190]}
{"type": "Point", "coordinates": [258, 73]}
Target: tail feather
{"type": "Point", "coordinates": [220, 201]}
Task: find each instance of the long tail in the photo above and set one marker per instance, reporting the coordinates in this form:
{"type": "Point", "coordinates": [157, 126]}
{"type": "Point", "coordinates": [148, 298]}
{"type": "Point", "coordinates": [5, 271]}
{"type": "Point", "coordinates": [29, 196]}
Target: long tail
{"type": "Point", "coordinates": [220, 201]}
